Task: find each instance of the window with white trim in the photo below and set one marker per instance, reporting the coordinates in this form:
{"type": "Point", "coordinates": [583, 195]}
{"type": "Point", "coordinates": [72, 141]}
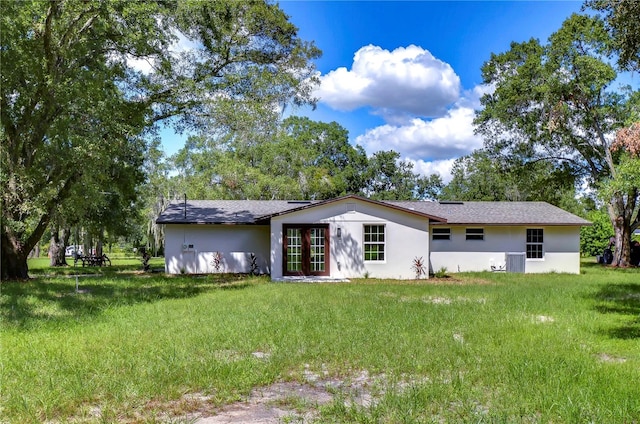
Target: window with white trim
{"type": "Point", "coordinates": [535, 240]}
{"type": "Point", "coordinates": [374, 243]}
{"type": "Point", "coordinates": [475, 233]}
{"type": "Point", "coordinates": [441, 233]}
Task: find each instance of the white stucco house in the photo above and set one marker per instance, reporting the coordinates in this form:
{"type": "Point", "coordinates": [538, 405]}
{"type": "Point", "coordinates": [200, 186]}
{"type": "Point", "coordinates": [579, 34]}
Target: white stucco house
{"type": "Point", "coordinates": [351, 236]}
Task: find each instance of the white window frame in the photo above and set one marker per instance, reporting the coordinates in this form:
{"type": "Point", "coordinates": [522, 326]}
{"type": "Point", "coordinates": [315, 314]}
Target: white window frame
{"type": "Point", "coordinates": [476, 231]}
{"type": "Point", "coordinates": [439, 233]}
{"type": "Point", "coordinates": [535, 243]}
{"type": "Point", "coordinates": [376, 242]}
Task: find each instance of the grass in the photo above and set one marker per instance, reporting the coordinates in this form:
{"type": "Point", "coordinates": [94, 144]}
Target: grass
{"type": "Point", "coordinates": [472, 348]}
{"type": "Point", "coordinates": [39, 267]}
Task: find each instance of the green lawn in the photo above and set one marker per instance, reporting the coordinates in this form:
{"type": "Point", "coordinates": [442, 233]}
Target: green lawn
{"type": "Point", "coordinates": [472, 348]}
{"type": "Point", "coordinates": [40, 266]}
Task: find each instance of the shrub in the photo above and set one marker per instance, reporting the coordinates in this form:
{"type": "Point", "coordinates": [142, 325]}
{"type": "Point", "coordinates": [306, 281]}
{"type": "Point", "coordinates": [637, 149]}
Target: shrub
{"type": "Point", "coordinates": [441, 273]}
{"type": "Point", "coordinates": [594, 239]}
{"type": "Point", "coordinates": [419, 267]}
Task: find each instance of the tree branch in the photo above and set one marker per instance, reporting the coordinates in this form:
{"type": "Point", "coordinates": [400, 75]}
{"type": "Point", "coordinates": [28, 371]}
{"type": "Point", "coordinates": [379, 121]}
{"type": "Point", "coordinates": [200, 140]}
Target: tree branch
{"type": "Point", "coordinates": [65, 40]}
{"type": "Point", "coordinates": [48, 35]}
{"type": "Point", "coordinates": [555, 158]}
{"type": "Point", "coordinates": [50, 205]}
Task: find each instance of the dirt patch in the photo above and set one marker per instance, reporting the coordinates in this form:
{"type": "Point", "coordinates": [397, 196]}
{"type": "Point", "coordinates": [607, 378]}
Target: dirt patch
{"type": "Point", "coordinates": [290, 401]}
{"type": "Point", "coordinates": [431, 281]}
{"type": "Point", "coordinates": [295, 402]}
{"type": "Point", "coordinates": [543, 319]}
{"type": "Point", "coordinates": [435, 300]}
{"type": "Point", "coordinates": [281, 402]}
{"type": "Point", "coordinates": [604, 357]}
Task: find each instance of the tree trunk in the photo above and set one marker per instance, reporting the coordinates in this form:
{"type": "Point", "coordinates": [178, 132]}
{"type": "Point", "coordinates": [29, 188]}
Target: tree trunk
{"type": "Point", "coordinates": [14, 260]}
{"type": "Point", "coordinates": [87, 244]}
{"type": "Point", "coordinates": [16, 245]}
{"type": "Point", "coordinates": [56, 250]}
{"type": "Point", "coordinates": [621, 213]}
{"type": "Point", "coordinates": [99, 243]}
{"type": "Point", "coordinates": [65, 235]}
{"type": "Point", "coordinates": [622, 253]}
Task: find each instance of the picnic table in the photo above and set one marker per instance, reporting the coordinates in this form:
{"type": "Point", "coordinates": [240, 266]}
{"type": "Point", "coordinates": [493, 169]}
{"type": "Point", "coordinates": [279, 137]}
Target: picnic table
{"type": "Point", "coordinates": [92, 260]}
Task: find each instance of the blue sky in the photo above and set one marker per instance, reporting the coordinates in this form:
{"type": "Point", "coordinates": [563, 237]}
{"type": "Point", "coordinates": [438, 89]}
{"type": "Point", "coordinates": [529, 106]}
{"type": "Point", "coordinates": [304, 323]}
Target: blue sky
{"type": "Point", "coordinates": [406, 75]}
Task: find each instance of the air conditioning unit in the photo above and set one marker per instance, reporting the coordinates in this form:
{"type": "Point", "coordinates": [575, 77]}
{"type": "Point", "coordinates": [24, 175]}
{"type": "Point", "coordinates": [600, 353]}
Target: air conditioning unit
{"type": "Point", "coordinates": [515, 261]}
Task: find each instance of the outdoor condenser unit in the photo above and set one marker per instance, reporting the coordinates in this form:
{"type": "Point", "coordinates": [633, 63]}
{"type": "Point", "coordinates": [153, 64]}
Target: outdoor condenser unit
{"type": "Point", "coordinates": [515, 261]}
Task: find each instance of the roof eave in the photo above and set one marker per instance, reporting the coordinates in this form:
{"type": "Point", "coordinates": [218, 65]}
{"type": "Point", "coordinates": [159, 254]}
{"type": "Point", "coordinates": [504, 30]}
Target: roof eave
{"type": "Point", "coordinates": [208, 223]}
{"type": "Point", "coordinates": [508, 224]}
{"type": "Point", "coordinates": [432, 218]}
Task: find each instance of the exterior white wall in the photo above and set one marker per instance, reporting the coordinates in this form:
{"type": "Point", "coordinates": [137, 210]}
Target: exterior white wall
{"type": "Point", "coordinates": [561, 249]}
{"type": "Point", "coordinates": [407, 237]}
{"type": "Point", "coordinates": [234, 242]}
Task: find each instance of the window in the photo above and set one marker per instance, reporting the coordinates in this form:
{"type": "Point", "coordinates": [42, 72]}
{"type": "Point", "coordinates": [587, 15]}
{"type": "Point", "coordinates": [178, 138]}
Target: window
{"type": "Point", "coordinates": [374, 242]}
{"type": "Point", "coordinates": [534, 243]}
{"type": "Point", "coordinates": [475, 233]}
{"type": "Point", "coordinates": [441, 234]}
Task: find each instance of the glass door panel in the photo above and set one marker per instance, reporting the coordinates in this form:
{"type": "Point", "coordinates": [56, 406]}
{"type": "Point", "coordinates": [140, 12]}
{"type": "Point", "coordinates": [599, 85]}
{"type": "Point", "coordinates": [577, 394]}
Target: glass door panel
{"type": "Point", "coordinates": [317, 249]}
{"type": "Point", "coordinates": [294, 250]}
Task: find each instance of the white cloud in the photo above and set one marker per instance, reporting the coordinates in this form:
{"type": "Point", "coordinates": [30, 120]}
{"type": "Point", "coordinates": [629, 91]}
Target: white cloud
{"type": "Point", "coordinates": [440, 167]}
{"type": "Point", "coordinates": [406, 81]}
{"type": "Point", "coordinates": [428, 120]}
{"type": "Point", "coordinates": [471, 98]}
{"type": "Point", "coordinates": [144, 65]}
{"type": "Point", "coordinates": [431, 145]}
{"type": "Point", "coordinates": [180, 45]}
{"type": "Point", "coordinates": [437, 139]}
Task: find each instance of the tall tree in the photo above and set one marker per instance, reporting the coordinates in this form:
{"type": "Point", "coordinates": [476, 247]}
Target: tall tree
{"type": "Point", "coordinates": [70, 99]}
{"type": "Point", "coordinates": [490, 176]}
{"type": "Point", "coordinates": [301, 159]}
{"type": "Point", "coordinates": [554, 102]}
{"type": "Point", "coordinates": [387, 177]}
{"type": "Point", "coordinates": [479, 176]}
{"type": "Point", "coordinates": [157, 191]}
{"type": "Point", "coordinates": [621, 19]}
{"type": "Point", "coordinates": [326, 147]}
{"type": "Point", "coordinates": [621, 190]}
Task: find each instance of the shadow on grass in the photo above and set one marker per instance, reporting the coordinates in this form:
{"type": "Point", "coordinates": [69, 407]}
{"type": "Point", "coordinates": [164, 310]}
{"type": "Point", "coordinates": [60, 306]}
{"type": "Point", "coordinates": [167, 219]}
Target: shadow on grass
{"type": "Point", "coordinates": [621, 299]}
{"type": "Point", "coordinates": [78, 269]}
{"type": "Point", "coordinates": [56, 299]}
{"type": "Point", "coordinates": [589, 262]}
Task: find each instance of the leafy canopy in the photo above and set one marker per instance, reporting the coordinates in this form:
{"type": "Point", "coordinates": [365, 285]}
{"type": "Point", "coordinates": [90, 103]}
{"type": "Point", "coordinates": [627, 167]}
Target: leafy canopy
{"type": "Point", "coordinates": [77, 116]}
{"type": "Point", "coordinates": [557, 102]}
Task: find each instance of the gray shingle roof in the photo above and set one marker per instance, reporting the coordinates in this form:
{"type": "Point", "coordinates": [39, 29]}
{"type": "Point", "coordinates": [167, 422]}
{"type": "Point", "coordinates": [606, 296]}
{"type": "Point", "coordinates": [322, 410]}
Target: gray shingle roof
{"type": "Point", "coordinates": [497, 213]}
{"type": "Point", "coordinates": [223, 211]}
{"type": "Point", "coordinates": [469, 213]}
